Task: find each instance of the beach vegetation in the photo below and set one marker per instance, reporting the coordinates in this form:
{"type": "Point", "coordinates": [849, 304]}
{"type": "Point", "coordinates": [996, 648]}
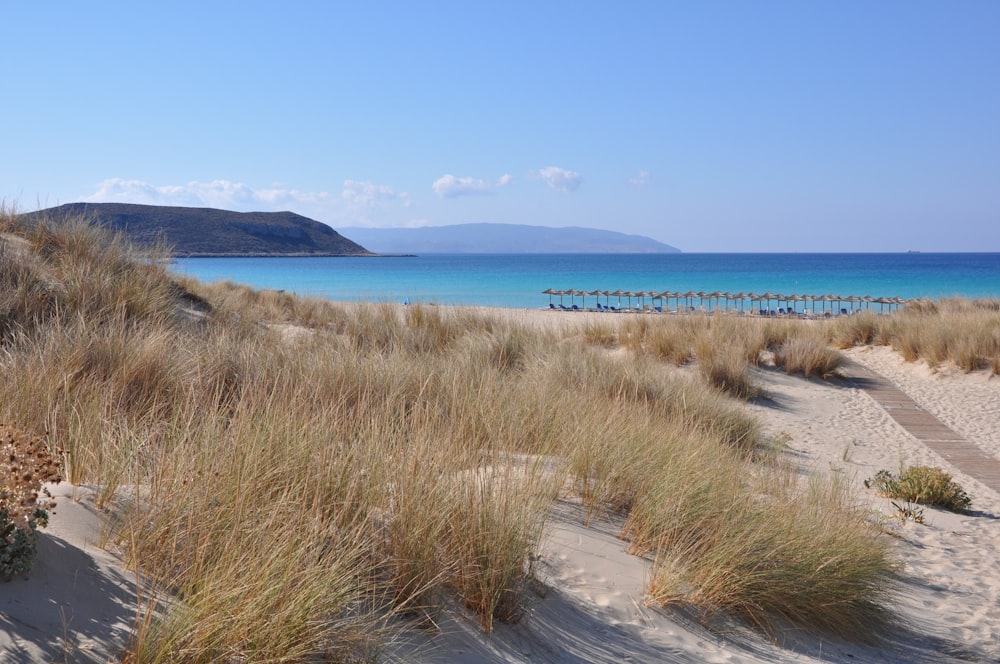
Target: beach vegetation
{"type": "Point", "coordinates": [926, 485]}
{"type": "Point", "coordinates": [725, 367]}
{"type": "Point", "coordinates": [957, 330]}
{"type": "Point", "coordinates": [809, 558]}
{"type": "Point", "coordinates": [909, 512]}
{"type": "Point", "coordinates": [27, 465]}
{"type": "Point", "coordinates": [599, 334]}
{"type": "Point", "coordinates": [809, 355]}
{"type": "Point", "coordinates": [862, 329]}
{"type": "Point", "coordinates": [290, 475]}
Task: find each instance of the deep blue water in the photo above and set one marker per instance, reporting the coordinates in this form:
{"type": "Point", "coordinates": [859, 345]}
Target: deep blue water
{"type": "Point", "coordinates": [517, 281]}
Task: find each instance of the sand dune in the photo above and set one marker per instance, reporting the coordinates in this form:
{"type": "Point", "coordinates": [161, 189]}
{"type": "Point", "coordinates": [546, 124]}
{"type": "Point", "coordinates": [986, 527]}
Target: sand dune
{"type": "Point", "coordinates": [949, 600]}
{"type": "Point", "coordinates": [78, 603]}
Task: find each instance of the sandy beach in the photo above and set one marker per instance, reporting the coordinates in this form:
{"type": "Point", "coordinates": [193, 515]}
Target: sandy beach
{"type": "Point", "coordinates": [78, 603]}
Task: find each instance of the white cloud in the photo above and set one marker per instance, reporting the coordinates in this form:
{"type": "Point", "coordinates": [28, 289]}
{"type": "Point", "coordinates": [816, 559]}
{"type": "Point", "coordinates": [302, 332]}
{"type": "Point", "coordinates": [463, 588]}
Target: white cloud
{"type": "Point", "coordinates": [117, 190]}
{"type": "Point", "coordinates": [450, 186]}
{"type": "Point", "coordinates": [357, 203]}
{"type": "Point", "coordinates": [218, 194]}
{"type": "Point", "coordinates": [640, 180]}
{"type": "Point", "coordinates": [368, 194]}
{"type": "Point", "coordinates": [560, 179]}
{"type": "Point", "coordinates": [505, 180]}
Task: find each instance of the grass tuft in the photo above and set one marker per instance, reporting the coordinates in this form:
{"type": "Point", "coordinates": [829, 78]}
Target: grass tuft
{"type": "Point", "coordinates": [809, 356]}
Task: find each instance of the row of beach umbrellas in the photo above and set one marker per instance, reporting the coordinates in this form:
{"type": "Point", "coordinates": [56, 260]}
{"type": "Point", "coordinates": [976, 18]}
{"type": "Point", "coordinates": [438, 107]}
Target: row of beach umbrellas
{"type": "Point", "coordinates": [722, 300]}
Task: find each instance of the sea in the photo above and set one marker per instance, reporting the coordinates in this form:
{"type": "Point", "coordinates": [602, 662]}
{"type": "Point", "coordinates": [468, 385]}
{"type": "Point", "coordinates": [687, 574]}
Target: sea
{"type": "Point", "coordinates": [519, 281]}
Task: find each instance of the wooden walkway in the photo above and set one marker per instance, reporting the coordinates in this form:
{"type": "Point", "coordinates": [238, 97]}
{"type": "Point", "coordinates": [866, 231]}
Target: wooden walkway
{"type": "Point", "coordinates": [960, 453]}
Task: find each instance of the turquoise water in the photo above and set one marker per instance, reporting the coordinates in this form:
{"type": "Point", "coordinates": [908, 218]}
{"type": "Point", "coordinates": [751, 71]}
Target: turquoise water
{"type": "Point", "coordinates": [517, 281]}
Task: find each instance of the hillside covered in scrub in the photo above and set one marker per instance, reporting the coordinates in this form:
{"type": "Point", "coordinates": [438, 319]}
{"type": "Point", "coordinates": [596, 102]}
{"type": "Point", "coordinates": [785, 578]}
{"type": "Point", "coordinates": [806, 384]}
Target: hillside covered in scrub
{"type": "Point", "coordinates": [192, 232]}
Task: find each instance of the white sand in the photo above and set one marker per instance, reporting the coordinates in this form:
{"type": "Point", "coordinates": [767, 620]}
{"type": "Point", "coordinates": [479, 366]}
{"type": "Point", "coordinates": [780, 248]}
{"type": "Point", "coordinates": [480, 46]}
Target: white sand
{"type": "Point", "coordinates": [78, 603]}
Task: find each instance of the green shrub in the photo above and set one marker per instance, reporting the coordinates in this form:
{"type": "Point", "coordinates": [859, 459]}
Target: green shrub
{"type": "Point", "coordinates": [921, 484]}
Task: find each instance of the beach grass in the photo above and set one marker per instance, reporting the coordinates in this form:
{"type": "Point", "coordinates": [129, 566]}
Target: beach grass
{"type": "Point", "coordinates": [808, 354]}
{"type": "Point", "coordinates": [289, 474]}
{"type": "Point", "coordinates": [962, 331]}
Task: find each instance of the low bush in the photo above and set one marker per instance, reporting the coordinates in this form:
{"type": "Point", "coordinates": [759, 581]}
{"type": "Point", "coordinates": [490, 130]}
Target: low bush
{"type": "Point", "coordinates": [921, 484]}
{"type": "Point", "coordinates": [24, 502]}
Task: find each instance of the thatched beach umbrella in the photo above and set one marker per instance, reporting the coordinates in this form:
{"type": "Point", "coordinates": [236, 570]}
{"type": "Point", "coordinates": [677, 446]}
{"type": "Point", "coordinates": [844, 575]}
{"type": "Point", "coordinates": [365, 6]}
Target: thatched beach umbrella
{"type": "Point", "coordinates": [671, 294]}
{"type": "Point", "coordinates": [792, 299]}
{"type": "Point", "coordinates": [550, 292]}
{"type": "Point", "coordinates": [688, 296]}
{"type": "Point", "coordinates": [715, 295]}
{"type": "Point", "coordinates": [618, 293]}
{"type": "Point", "coordinates": [630, 295]}
{"type": "Point", "coordinates": [807, 302]}
{"type": "Point", "coordinates": [767, 297]}
{"type": "Point", "coordinates": [740, 298]}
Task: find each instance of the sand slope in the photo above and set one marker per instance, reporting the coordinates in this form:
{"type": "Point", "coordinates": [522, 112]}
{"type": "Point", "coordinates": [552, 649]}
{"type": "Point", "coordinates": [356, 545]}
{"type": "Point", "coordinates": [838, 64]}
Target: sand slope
{"type": "Point", "coordinates": [78, 604]}
{"type": "Point", "coordinates": [949, 599]}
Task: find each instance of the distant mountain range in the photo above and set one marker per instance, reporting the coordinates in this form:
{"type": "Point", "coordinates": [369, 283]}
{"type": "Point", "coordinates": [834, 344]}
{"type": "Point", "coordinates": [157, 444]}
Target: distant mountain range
{"type": "Point", "coordinates": [503, 239]}
{"type": "Point", "coordinates": [212, 232]}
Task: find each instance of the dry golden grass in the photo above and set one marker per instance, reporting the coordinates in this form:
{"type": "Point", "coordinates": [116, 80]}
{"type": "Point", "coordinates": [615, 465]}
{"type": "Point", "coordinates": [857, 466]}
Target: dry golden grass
{"type": "Point", "coordinates": [809, 355]}
{"type": "Point", "coordinates": [287, 494]}
{"type": "Point", "coordinates": [965, 332]}
{"type": "Point", "coordinates": [809, 559]}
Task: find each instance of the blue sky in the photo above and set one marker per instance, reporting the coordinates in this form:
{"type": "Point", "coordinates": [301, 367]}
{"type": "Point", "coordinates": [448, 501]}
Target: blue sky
{"type": "Point", "coordinates": [711, 126]}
